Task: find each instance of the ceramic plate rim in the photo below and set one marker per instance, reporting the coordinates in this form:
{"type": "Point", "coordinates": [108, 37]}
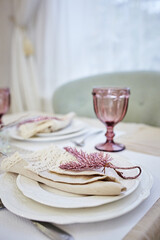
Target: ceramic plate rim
{"type": "Point", "coordinates": [88, 201]}
{"type": "Point", "coordinates": [39, 212]}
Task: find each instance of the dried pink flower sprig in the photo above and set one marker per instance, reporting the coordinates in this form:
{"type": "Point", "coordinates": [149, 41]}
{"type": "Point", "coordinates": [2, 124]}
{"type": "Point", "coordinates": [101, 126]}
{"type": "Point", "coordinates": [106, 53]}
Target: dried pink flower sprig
{"type": "Point", "coordinates": [85, 161]}
{"type": "Point", "coordinates": [92, 161]}
{"type": "Point", "coordinates": [37, 119]}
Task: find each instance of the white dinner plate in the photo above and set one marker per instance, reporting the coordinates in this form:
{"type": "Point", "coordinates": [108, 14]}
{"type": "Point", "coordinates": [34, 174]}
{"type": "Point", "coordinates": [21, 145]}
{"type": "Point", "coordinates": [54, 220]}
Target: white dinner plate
{"type": "Point", "coordinates": [20, 205]}
{"type": "Point", "coordinates": [14, 134]}
{"type": "Point", "coordinates": [56, 198]}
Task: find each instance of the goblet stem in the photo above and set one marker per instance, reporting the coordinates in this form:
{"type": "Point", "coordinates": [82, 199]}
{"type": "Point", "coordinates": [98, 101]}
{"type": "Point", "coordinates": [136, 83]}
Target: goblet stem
{"type": "Point", "coordinates": [110, 145]}
{"type": "Point", "coordinates": [110, 133]}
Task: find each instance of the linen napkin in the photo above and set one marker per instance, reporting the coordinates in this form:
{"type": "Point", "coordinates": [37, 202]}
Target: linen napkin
{"type": "Point", "coordinates": [43, 166]}
{"type": "Point", "coordinates": [43, 124]}
{"type": "Point", "coordinates": [148, 227]}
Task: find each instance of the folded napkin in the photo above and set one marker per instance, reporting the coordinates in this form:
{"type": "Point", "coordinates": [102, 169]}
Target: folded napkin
{"type": "Point", "coordinates": [148, 227]}
{"type": "Point", "coordinates": [43, 124]}
{"type": "Point", "coordinates": [44, 166]}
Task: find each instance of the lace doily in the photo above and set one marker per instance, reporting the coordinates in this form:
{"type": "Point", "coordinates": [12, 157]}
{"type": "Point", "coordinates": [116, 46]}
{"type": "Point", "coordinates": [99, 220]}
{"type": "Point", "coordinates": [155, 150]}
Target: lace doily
{"type": "Point", "coordinates": [48, 159]}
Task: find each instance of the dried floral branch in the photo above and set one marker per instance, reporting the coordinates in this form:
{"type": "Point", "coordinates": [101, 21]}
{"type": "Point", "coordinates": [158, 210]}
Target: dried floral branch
{"type": "Point", "coordinates": [92, 161]}
{"type": "Point", "coordinates": [86, 161]}
{"type": "Point", "coordinates": [37, 119]}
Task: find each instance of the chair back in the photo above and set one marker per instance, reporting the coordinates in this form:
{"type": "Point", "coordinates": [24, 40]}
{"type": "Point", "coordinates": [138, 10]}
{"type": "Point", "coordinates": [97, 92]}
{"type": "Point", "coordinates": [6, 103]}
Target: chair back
{"type": "Point", "coordinates": [144, 102]}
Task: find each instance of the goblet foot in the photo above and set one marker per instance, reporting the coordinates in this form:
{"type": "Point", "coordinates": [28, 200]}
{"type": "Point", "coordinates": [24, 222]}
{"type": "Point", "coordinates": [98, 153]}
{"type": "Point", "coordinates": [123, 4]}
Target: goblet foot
{"type": "Point", "coordinates": [110, 147]}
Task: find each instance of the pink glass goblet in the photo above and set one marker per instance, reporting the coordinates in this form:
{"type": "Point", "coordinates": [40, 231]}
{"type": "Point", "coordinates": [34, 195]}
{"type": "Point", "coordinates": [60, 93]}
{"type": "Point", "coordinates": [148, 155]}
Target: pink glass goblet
{"type": "Point", "coordinates": [110, 106]}
{"type": "Point", "coordinates": [4, 102]}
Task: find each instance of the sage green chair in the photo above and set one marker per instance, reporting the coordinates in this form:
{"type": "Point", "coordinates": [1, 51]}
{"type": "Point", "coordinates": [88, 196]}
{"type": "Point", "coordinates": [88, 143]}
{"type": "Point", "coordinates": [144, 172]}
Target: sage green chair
{"type": "Point", "coordinates": [144, 102]}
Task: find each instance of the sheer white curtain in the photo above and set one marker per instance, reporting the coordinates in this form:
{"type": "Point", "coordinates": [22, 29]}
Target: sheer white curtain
{"type": "Point", "coordinates": [24, 79]}
{"type": "Point", "coordinates": [87, 37]}
{"type": "Point", "coordinates": [76, 38]}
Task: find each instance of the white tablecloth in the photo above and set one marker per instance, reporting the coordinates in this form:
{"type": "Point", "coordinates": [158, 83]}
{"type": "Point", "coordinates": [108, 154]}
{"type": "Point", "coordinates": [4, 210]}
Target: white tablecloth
{"type": "Point", "coordinates": [15, 227]}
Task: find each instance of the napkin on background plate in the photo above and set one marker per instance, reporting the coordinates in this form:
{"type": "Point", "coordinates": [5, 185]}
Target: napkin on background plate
{"type": "Point", "coordinates": [29, 129]}
{"type": "Point", "coordinates": [43, 166]}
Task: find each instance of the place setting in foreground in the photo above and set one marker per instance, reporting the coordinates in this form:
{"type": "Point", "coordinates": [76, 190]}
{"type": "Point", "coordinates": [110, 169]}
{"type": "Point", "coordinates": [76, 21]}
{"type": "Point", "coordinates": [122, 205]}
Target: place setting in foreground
{"type": "Point", "coordinates": [66, 185]}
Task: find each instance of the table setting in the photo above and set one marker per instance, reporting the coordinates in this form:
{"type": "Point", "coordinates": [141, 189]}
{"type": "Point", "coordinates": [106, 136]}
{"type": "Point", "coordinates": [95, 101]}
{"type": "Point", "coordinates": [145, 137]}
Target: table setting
{"type": "Point", "coordinates": [99, 188]}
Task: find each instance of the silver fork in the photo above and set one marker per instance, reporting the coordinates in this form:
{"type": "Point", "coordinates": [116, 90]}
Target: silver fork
{"type": "Point", "coordinates": [50, 230]}
{"type": "Point", "coordinates": [81, 142]}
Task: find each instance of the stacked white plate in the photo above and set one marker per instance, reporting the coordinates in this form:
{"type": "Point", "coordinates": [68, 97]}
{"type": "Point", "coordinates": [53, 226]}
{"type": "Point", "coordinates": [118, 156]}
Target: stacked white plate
{"type": "Point", "coordinates": [75, 129]}
{"type": "Point", "coordinates": [33, 200]}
